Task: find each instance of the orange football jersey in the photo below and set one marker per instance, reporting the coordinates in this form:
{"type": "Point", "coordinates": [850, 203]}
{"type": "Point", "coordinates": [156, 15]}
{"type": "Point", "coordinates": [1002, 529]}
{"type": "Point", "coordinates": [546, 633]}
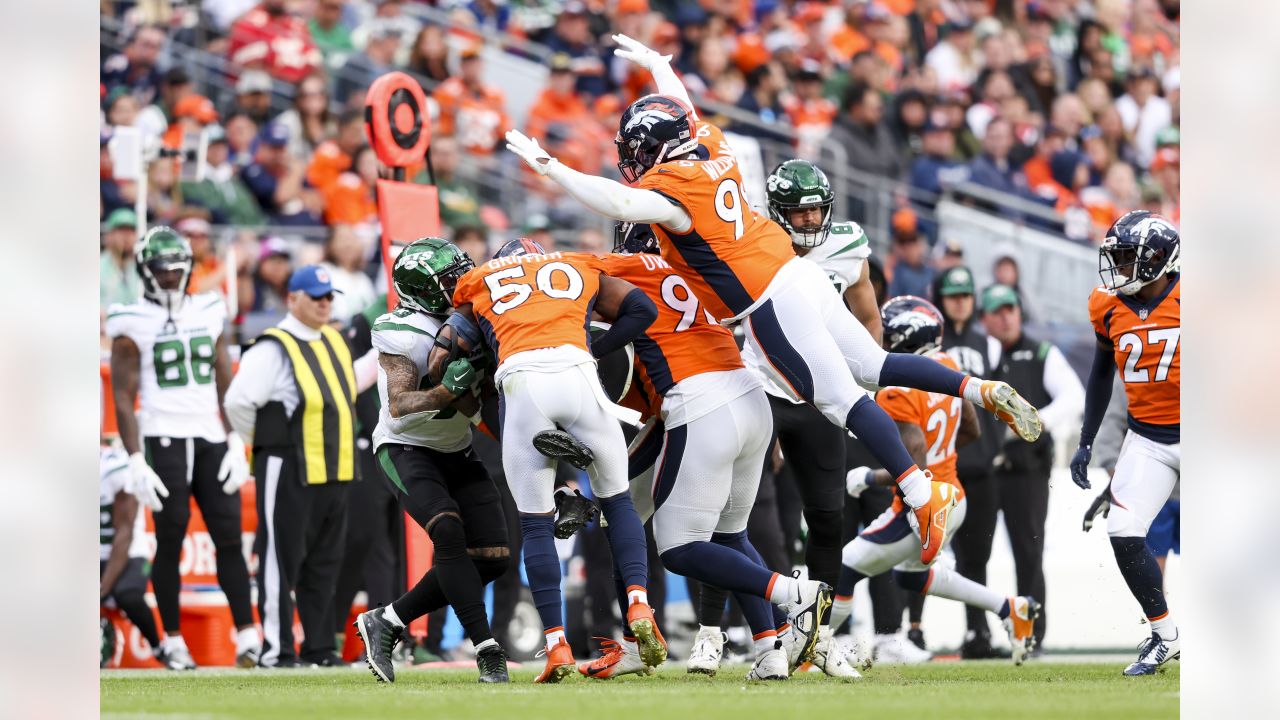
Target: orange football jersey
{"type": "Point", "coordinates": [683, 341]}
{"type": "Point", "coordinates": [1146, 339]}
{"type": "Point", "coordinates": [731, 253]}
{"type": "Point", "coordinates": [937, 415]}
{"type": "Point", "coordinates": [529, 302]}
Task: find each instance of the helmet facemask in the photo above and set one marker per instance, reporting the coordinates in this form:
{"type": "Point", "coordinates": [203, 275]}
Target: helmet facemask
{"type": "Point", "coordinates": [1126, 269]}
{"type": "Point", "coordinates": [808, 236]}
{"type": "Point", "coordinates": [165, 279]}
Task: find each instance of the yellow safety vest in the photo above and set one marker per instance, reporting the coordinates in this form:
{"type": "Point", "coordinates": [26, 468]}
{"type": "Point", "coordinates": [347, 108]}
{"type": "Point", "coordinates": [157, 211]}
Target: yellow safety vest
{"type": "Point", "coordinates": [322, 427]}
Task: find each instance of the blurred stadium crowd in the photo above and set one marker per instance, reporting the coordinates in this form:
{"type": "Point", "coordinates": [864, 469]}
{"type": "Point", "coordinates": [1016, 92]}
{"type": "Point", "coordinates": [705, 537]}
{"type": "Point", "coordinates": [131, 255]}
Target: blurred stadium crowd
{"type": "Point", "coordinates": [1059, 114]}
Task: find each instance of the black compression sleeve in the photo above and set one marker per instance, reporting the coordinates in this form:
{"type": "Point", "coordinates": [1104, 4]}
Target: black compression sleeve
{"type": "Point", "coordinates": [1097, 394]}
{"type": "Point", "coordinates": [636, 313]}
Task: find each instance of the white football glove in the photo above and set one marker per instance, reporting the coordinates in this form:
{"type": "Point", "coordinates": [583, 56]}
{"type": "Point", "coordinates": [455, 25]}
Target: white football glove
{"type": "Point", "coordinates": [234, 470]}
{"type": "Point", "coordinates": [856, 481]}
{"type": "Point", "coordinates": [145, 484]}
{"type": "Point", "coordinates": [638, 53]}
{"type": "Point", "coordinates": [530, 151]}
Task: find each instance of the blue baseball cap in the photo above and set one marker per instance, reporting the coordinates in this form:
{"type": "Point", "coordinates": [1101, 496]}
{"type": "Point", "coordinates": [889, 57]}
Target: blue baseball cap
{"type": "Point", "coordinates": [274, 134]}
{"type": "Point", "coordinates": [313, 280]}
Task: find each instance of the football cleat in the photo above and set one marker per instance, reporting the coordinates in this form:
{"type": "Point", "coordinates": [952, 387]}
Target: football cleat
{"type": "Point", "coordinates": [977, 646]}
{"type": "Point", "coordinates": [561, 445]}
{"type": "Point", "coordinates": [1020, 625]}
{"type": "Point", "coordinates": [707, 650]}
{"type": "Point", "coordinates": [559, 663]}
{"type": "Point", "coordinates": [573, 513]}
{"type": "Point", "coordinates": [380, 638]}
{"type": "Point", "coordinates": [652, 646]}
{"type": "Point", "coordinates": [915, 636]}
{"type": "Point", "coordinates": [492, 662]}
{"type": "Point", "coordinates": [769, 665]}
{"type": "Point", "coordinates": [175, 658]}
{"type": "Point", "coordinates": [1154, 652]}
{"type": "Point", "coordinates": [616, 659]}
{"type": "Point", "coordinates": [829, 656]}
{"type": "Point", "coordinates": [897, 650]}
{"type": "Point", "coordinates": [805, 612]}
{"type": "Point", "coordinates": [1000, 398]}
{"type": "Point", "coordinates": [248, 658]}
{"type": "Point", "coordinates": [930, 520]}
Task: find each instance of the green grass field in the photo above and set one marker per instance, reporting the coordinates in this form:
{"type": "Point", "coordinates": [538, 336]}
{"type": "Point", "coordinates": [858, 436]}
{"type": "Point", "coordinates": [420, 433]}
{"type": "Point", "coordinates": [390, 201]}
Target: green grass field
{"type": "Point", "coordinates": [942, 690]}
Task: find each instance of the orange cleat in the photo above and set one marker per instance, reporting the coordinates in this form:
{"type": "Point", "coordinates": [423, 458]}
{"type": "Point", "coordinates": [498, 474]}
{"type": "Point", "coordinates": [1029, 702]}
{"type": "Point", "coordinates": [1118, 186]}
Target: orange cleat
{"type": "Point", "coordinates": [652, 646]}
{"type": "Point", "coordinates": [932, 517]}
{"type": "Point", "coordinates": [617, 659]}
{"type": "Point", "coordinates": [559, 663]}
{"type": "Point", "coordinates": [1020, 625]}
{"type": "Point", "coordinates": [1001, 399]}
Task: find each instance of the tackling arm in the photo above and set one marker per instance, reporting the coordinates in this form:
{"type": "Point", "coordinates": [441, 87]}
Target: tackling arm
{"type": "Point", "coordinates": [630, 311]}
{"type": "Point", "coordinates": [860, 298]}
{"type": "Point", "coordinates": [403, 398]}
{"type": "Point", "coordinates": [126, 367]}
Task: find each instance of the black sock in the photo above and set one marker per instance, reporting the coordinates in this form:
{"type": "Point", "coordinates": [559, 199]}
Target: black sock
{"type": "Point", "coordinates": [1140, 571]}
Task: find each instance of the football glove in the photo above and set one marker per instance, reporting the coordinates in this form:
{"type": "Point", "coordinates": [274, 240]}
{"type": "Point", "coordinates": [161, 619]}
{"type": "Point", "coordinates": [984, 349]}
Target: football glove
{"type": "Point", "coordinates": [1101, 505]}
{"type": "Point", "coordinates": [530, 151]}
{"type": "Point", "coordinates": [459, 376]}
{"type": "Point", "coordinates": [857, 480]}
{"type": "Point", "coordinates": [1080, 466]}
{"type": "Point", "coordinates": [234, 470]}
{"type": "Point", "coordinates": [145, 484]}
{"type": "Point", "coordinates": [637, 52]}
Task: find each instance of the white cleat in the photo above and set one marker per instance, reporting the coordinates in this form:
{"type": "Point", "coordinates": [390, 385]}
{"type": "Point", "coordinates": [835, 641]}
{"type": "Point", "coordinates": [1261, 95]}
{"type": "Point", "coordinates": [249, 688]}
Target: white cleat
{"type": "Point", "coordinates": [707, 650]}
{"type": "Point", "coordinates": [770, 665]}
{"type": "Point", "coordinates": [897, 650]}
{"type": "Point", "coordinates": [616, 659]}
{"type": "Point", "coordinates": [829, 657]}
{"type": "Point", "coordinates": [1153, 653]}
{"type": "Point", "coordinates": [805, 612]}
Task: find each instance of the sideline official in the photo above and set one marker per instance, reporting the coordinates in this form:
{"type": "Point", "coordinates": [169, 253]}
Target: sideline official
{"type": "Point", "coordinates": [293, 400]}
{"type": "Point", "coordinates": [1041, 374]}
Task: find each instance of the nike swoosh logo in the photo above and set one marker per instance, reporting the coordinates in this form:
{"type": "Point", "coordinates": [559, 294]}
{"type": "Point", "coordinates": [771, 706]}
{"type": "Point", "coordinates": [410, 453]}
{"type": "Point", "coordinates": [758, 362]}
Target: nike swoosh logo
{"type": "Point", "coordinates": [593, 671]}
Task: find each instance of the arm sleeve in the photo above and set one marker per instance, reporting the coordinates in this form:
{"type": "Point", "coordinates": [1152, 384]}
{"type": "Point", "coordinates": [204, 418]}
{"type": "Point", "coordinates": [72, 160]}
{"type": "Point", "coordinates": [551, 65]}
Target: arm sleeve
{"type": "Point", "coordinates": [635, 314]}
{"type": "Point", "coordinates": [251, 387]}
{"type": "Point", "coordinates": [669, 84]}
{"type": "Point", "coordinates": [1065, 389]}
{"type": "Point", "coordinates": [1097, 393]}
{"type": "Point", "coordinates": [615, 200]}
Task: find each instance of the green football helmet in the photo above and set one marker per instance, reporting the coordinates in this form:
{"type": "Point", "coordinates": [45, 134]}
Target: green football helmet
{"type": "Point", "coordinates": [426, 272]}
{"type": "Point", "coordinates": [797, 184]}
{"type": "Point", "coordinates": [163, 258]}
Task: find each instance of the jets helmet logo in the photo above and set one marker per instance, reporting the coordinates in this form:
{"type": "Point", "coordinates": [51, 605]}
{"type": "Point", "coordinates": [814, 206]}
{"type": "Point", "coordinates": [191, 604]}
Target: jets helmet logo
{"type": "Point", "coordinates": [777, 182]}
{"type": "Point", "coordinates": [409, 262]}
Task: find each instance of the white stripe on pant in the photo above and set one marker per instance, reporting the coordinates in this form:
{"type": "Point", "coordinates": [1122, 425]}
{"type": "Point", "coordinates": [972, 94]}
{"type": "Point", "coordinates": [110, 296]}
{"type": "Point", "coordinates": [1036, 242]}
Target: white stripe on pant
{"type": "Point", "coordinates": [271, 607]}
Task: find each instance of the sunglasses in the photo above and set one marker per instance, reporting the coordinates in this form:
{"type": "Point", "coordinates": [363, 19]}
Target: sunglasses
{"type": "Point", "coordinates": [319, 298]}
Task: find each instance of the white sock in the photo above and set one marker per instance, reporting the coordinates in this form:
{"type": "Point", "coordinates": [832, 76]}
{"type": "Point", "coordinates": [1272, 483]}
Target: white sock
{"type": "Point", "coordinates": [173, 642]}
{"type": "Point", "coordinates": [247, 639]}
{"type": "Point", "coordinates": [1165, 627]}
{"type": "Point", "coordinates": [948, 583]}
{"type": "Point", "coordinates": [487, 643]}
{"type": "Point", "coordinates": [637, 594]}
{"type": "Point", "coordinates": [555, 637]}
{"type": "Point", "coordinates": [915, 488]}
{"type": "Point", "coordinates": [784, 590]}
{"type": "Point", "coordinates": [841, 609]}
{"type": "Point", "coordinates": [389, 614]}
{"type": "Point", "coordinates": [973, 391]}
{"type": "Point", "coordinates": [764, 643]}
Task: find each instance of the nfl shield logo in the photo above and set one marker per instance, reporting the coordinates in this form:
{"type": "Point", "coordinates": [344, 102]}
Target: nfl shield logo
{"type": "Point", "coordinates": [1142, 314]}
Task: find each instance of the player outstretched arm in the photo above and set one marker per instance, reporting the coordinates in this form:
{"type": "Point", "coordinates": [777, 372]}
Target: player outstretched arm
{"type": "Point", "coordinates": [630, 311]}
{"type": "Point", "coordinates": [659, 66]}
{"type": "Point", "coordinates": [1097, 396]}
{"type": "Point", "coordinates": [606, 197]}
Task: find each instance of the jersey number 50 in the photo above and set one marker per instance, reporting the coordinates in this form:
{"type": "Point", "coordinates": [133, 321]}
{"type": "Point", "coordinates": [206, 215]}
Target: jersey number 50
{"type": "Point", "coordinates": [508, 295]}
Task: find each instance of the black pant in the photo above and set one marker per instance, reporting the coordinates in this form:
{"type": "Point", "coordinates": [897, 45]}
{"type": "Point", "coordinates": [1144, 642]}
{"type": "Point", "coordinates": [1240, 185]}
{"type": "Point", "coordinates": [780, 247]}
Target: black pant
{"type": "Point", "coordinates": [301, 533]}
{"type": "Point", "coordinates": [189, 468]}
{"type": "Point", "coordinates": [129, 594]}
{"type": "Point", "coordinates": [1024, 498]}
{"type": "Point", "coordinates": [887, 598]}
{"type": "Point", "coordinates": [372, 559]}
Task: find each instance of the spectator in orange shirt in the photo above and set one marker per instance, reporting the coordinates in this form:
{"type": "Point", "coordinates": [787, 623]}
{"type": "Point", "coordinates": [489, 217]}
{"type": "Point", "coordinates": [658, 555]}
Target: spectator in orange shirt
{"type": "Point", "coordinates": [333, 157]}
{"type": "Point", "coordinates": [190, 115]}
{"type": "Point", "coordinates": [561, 116]}
{"type": "Point", "coordinates": [1166, 168]}
{"type": "Point", "coordinates": [350, 199]}
{"type": "Point", "coordinates": [471, 110]}
{"type": "Point", "coordinates": [810, 112]}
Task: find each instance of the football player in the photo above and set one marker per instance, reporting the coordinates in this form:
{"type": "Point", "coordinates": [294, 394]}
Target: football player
{"type": "Point", "coordinates": [122, 551]}
{"type": "Point", "coordinates": [742, 268]}
{"type": "Point", "coordinates": [716, 431]}
{"type": "Point", "coordinates": [169, 349]}
{"type": "Point", "coordinates": [534, 309]}
{"type": "Point", "coordinates": [423, 444]}
{"type": "Point", "coordinates": [932, 425]}
{"type": "Point", "coordinates": [1136, 316]}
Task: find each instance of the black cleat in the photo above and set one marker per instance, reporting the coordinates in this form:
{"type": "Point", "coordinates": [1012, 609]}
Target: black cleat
{"type": "Point", "coordinates": [916, 637]}
{"type": "Point", "coordinates": [561, 445]}
{"type": "Point", "coordinates": [492, 662]}
{"type": "Point", "coordinates": [330, 660]}
{"type": "Point", "coordinates": [380, 638]}
{"type": "Point", "coordinates": [573, 513]}
{"type": "Point", "coordinates": [978, 647]}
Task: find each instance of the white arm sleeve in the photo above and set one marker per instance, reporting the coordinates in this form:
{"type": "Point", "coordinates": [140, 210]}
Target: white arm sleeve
{"type": "Point", "coordinates": [1066, 390]}
{"type": "Point", "coordinates": [366, 370]}
{"type": "Point", "coordinates": [251, 387]}
{"type": "Point", "coordinates": [668, 84]}
{"type": "Point", "coordinates": [615, 200]}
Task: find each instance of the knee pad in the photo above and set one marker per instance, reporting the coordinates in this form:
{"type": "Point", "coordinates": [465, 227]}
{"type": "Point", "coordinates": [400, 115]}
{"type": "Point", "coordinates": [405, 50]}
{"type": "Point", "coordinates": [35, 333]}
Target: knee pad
{"type": "Point", "coordinates": [916, 581]}
{"type": "Point", "coordinates": [825, 527]}
{"type": "Point", "coordinates": [490, 565]}
{"type": "Point", "coordinates": [448, 537]}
